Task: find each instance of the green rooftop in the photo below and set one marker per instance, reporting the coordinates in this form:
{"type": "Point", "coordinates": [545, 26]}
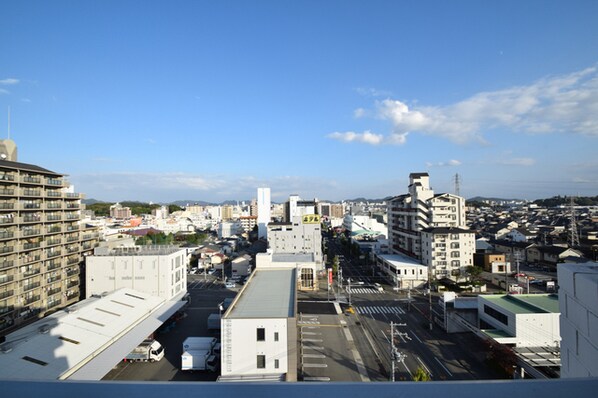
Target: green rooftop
{"type": "Point", "coordinates": [526, 303]}
{"type": "Point", "coordinates": [496, 333]}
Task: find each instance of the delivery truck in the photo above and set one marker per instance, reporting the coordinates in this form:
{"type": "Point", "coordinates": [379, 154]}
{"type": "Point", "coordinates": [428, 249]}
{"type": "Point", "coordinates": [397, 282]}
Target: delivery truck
{"type": "Point", "coordinates": [199, 360]}
{"type": "Point", "coordinates": [202, 343]}
{"type": "Point", "coordinates": [147, 351]}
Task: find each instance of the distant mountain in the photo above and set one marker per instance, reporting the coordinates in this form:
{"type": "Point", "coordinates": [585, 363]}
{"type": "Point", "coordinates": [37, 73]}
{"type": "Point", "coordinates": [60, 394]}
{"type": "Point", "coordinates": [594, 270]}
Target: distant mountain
{"type": "Point", "coordinates": [368, 200]}
{"type": "Point", "coordinates": [481, 199]}
{"type": "Point", "coordinates": [91, 201]}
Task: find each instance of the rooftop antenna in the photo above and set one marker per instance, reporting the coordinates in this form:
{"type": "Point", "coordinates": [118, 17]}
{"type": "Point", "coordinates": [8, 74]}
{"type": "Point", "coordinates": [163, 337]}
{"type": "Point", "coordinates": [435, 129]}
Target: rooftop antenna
{"type": "Point", "coordinates": [573, 236]}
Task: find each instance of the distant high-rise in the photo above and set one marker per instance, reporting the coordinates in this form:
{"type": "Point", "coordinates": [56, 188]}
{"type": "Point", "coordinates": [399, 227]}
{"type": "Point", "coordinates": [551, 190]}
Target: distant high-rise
{"type": "Point", "coordinates": [263, 212]}
{"type": "Point", "coordinates": [42, 241]}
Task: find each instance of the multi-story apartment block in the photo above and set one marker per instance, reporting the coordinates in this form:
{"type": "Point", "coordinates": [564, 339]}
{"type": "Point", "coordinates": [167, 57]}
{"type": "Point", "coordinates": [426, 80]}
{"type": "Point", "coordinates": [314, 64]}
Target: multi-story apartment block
{"type": "Point", "coordinates": [248, 223]}
{"type": "Point", "coordinates": [119, 212]}
{"type": "Point", "coordinates": [448, 251]}
{"type": "Point", "coordinates": [263, 211]}
{"type": "Point", "coordinates": [42, 242]}
{"type": "Point", "coordinates": [302, 236]}
{"type": "Point", "coordinates": [418, 214]}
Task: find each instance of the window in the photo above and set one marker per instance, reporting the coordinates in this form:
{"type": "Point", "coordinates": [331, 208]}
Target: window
{"type": "Point", "coordinates": [276, 363]}
{"type": "Point", "coordinates": [276, 337]}
{"type": "Point", "coordinates": [499, 316]}
{"type": "Point", "coordinates": [261, 334]}
{"type": "Point", "coordinates": [261, 361]}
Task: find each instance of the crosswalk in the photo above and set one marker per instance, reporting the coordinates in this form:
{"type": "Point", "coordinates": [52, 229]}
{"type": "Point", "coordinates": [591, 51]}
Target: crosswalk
{"type": "Point", "coordinates": [364, 290]}
{"type": "Point", "coordinates": [366, 310]}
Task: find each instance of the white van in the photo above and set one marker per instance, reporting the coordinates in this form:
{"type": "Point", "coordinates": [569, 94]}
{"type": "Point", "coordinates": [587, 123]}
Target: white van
{"type": "Point", "coordinates": [378, 287]}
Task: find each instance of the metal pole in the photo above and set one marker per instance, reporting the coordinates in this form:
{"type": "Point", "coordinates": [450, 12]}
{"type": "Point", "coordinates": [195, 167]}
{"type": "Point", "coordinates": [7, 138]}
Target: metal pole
{"type": "Point", "coordinates": [349, 290]}
{"type": "Point", "coordinates": [430, 297]}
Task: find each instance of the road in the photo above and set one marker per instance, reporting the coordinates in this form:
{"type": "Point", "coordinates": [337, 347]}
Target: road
{"type": "Point", "coordinates": [443, 356]}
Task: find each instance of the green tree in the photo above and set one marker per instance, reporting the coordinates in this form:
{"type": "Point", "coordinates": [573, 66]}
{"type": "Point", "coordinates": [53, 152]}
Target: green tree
{"type": "Point", "coordinates": [421, 375]}
{"type": "Point", "coordinates": [474, 272]}
{"type": "Point", "coordinates": [335, 264]}
{"type": "Point", "coordinates": [173, 208]}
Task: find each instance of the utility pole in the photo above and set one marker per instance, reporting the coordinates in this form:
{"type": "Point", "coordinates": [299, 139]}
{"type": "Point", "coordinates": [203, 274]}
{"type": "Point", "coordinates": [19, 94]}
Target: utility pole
{"type": "Point", "coordinates": [573, 236]}
{"type": "Point", "coordinates": [395, 354]}
{"type": "Point", "coordinates": [349, 290]}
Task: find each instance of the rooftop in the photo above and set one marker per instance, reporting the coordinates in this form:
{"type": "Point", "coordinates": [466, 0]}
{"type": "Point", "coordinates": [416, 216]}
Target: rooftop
{"type": "Point", "coordinates": [148, 250]}
{"type": "Point", "coordinates": [293, 258]}
{"type": "Point", "coordinates": [398, 260]}
{"type": "Point", "coordinates": [269, 293]}
{"type": "Point", "coordinates": [526, 303]}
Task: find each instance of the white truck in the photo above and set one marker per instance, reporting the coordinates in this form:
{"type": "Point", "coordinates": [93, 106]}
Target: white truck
{"type": "Point", "coordinates": [199, 360]}
{"type": "Point", "coordinates": [202, 343]}
{"type": "Point", "coordinates": [148, 351]}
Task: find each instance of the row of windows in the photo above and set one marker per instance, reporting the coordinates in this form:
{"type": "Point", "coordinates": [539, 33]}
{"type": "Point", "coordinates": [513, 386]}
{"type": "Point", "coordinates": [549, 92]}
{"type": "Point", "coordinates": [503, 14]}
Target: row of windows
{"type": "Point", "coordinates": [499, 316]}
{"type": "Point", "coordinates": [261, 362]}
{"type": "Point", "coordinates": [261, 335]}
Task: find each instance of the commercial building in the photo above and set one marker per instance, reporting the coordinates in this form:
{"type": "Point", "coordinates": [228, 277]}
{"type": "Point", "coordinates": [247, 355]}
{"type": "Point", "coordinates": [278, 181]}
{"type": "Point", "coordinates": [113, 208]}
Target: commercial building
{"type": "Point", "coordinates": [304, 263]}
{"type": "Point", "coordinates": [522, 320]}
{"type": "Point", "coordinates": [578, 302]}
{"type": "Point", "coordinates": [159, 271]}
{"type": "Point", "coordinates": [42, 241]}
{"type": "Point", "coordinates": [402, 271]}
{"type": "Point", "coordinates": [263, 212]}
{"type": "Point", "coordinates": [416, 216]}
{"type": "Point", "coordinates": [303, 235]}
{"type": "Point", "coordinates": [259, 329]}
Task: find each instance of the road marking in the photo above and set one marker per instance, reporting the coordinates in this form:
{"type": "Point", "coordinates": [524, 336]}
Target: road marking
{"type": "Point", "coordinates": [443, 367]}
{"type": "Point", "coordinates": [311, 347]}
{"type": "Point", "coordinates": [358, 361]}
{"type": "Point", "coordinates": [316, 378]}
{"type": "Point", "coordinates": [379, 310]}
{"type": "Point", "coordinates": [310, 333]}
{"type": "Point", "coordinates": [423, 365]}
{"type": "Point", "coordinates": [415, 335]}
{"type": "Point", "coordinates": [385, 336]}
{"type": "Point", "coordinates": [315, 365]}
{"type": "Point", "coordinates": [313, 356]}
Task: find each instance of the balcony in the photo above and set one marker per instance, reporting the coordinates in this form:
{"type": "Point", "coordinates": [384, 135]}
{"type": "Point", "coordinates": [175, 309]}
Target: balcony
{"type": "Point", "coordinates": [72, 294]}
{"type": "Point", "coordinates": [53, 279]}
{"type": "Point", "coordinates": [7, 177]}
{"type": "Point", "coordinates": [7, 192]}
{"type": "Point", "coordinates": [31, 232]}
{"type": "Point", "coordinates": [7, 206]}
{"type": "Point", "coordinates": [53, 254]}
{"type": "Point", "coordinates": [54, 303]}
{"type": "Point", "coordinates": [7, 309]}
{"type": "Point", "coordinates": [6, 294]}
{"type": "Point", "coordinates": [7, 235]}
{"type": "Point", "coordinates": [6, 249]}
{"type": "Point", "coordinates": [53, 205]}
{"type": "Point", "coordinates": [54, 291]}
{"type": "Point", "coordinates": [6, 264]}
{"type": "Point", "coordinates": [29, 246]}
{"type": "Point", "coordinates": [72, 272]}
{"type": "Point", "coordinates": [72, 228]}
{"type": "Point", "coordinates": [54, 229]}
{"type": "Point", "coordinates": [72, 249]}
{"type": "Point", "coordinates": [72, 260]}
{"type": "Point", "coordinates": [32, 192]}
{"type": "Point", "coordinates": [72, 239]}
{"type": "Point", "coordinates": [72, 283]}
{"type": "Point", "coordinates": [32, 218]}
{"type": "Point", "coordinates": [72, 216]}
{"type": "Point", "coordinates": [72, 195]}
{"type": "Point", "coordinates": [53, 242]}
{"type": "Point", "coordinates": [31, 272]}
{"type": "Point", "coordinates": [30, 300]}
{"type": "Point", "coordinates": [53, 194]}
{"type": "Point", "coordinates": [52, 265]}
{"type": "Point", "coordinates": [73, 206]}
{"type": "Point", "coordinates": [6, 279]}
{"type": "Point", "coordinates": [31, 258]}
{"type": "Point", "coordinates": [54, 217]}
{"type": "Point", "coordinates": [31, 286]}
{"type": "Point", "coordinates": [54, 181]}
{"type": "Point", "coordinates": [31, 180]}
{"type": "Point", "coordinates": [7, 219]}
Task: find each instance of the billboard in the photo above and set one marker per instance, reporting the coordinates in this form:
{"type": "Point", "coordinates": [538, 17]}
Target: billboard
{"type": "Point", "coordinates": [310, 219]}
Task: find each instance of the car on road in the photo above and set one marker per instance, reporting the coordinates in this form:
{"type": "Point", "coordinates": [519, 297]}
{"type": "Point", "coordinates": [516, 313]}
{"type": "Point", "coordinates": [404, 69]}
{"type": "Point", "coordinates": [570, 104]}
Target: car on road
{"type": "Point", "coordinates": [230, 285]}
{"type": "Point", "coordinates": [378, 287]}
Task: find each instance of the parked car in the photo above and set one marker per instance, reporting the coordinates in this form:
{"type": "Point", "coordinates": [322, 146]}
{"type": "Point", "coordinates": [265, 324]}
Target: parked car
{"type": "Point", "coordinates": [230, 285]}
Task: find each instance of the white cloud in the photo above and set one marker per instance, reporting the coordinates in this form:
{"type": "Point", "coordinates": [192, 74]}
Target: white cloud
{"type": "Point", "coordinates": [367, 137]}
{"type": "Point", "coordinates": [359, 112]}
{"type": "Point", "coordinates": [372, 92]}
{"type": "Point", "coordinates": [452, 162]}
{"type": "Point", "coordinates": [25, 100]}
{"type": "Point", "coordinates": [3, 91]}
{"type": "Point", "coordinates": [555, 104]}
{"type": "Point", "coordinates": [9, 81]}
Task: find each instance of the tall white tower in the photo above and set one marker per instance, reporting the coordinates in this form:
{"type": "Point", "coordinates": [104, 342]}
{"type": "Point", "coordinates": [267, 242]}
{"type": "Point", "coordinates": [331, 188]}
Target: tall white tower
{"type": "Point", "coordinates": [263, 212]}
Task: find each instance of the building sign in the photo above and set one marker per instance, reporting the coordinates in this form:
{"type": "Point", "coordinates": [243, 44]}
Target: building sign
{"type": "Point", "coordinates": [329, 276]}
{"type": "Point", "coordinates": [310, 219]}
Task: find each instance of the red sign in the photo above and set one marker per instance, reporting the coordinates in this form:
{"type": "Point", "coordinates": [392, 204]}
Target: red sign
{"type": "Point", "coordinates": [330, 276]}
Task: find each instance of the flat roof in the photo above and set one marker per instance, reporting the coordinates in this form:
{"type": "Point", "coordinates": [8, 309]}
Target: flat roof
{"type": "Point", "coordinates": [269, 293]}
{"type": "Point", "coordinates": [399, 260]}
{"type": "Point", "coordinates": [526, 303]}
{"type": "Point", "coordinates": [145, 250]}
{"type": "Point", "coordinates": [67, 341]}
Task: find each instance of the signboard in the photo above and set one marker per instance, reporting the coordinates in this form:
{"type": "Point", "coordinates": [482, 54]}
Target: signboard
{"type": "Point", "coordinates": [329, 276]}
{"type": "Point", "coordinates": [310, 219]}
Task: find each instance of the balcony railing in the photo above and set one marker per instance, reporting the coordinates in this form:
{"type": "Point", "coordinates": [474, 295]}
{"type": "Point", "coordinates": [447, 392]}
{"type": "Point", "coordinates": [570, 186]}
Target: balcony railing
{"type": "Point", "coordinates": [29, 246]}
{"type": "Point", "coordinates": [52, 242]}
{"type": "Point", "coordinates": [7, 191]}
{"type": "Point", "coordinates": [6, 278]}
{"type": "Point", "coordinates": [53, 254]}
{"type": "Point", "coordinates": [32, 180]}
{"type": "Point", "coordinates": [7, 309]}
{"type": "Point", "coordinates": [53, 205]}
{"type": "Point", "coordinates": [54, 303]}
{"type": "Point", "coordinates": [72, 284]}
{"type": "Point", "coordinates": [54, 181]}
{"type": "Point", "coordinates": [7, 206]}
{"type": "Point", "coordinates": [31, 258]}
{"type": "Point", "coordinates": [53, 194]}
{"type": "Point", "coordinates": [32, 299]}
{"type": "Point", "coordinates": [31, 272]}
{"type": "Point", "coordinates": [31, 192]}
{"type": "Point", "coordinates": [6, 249]}
{"type": "Point", "coordinates": [7, 235]}
{"type": "Point", "coordinates": [6, 264]}
{"type": "Point", "coordinates": [56, 228]}
{"type": "Point", "coordinates": [54, 291]}
{"type": "Point", "coordinates": [52, 265]}
{"type": "Point", "coordinates": [7, 220]}
{"type": "Point", "coordinates": [54, 278]}
{"type": "Point", "coordinates": [72, 260]}
{"type": "Point", "coordinates": [54, 217]}
{"type": "Point", "coordinates": [6, 294]}
{"type": "Point", "coordinates": [30, 286]}
{"type": "Point", "coordinates": [31, 232]}
{"type": "Point", "coordinates": [72, 272]}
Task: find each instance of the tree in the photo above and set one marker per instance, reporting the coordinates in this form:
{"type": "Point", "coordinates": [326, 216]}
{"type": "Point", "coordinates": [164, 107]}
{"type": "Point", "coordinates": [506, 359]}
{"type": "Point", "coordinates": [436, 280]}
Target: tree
{"type": "Point", "coordinates": [421, 375]}
{"type": "Point", "coordinates": [335, 264]}
{"type": "Point", "coordinates": [173, 208]}
{"type": "Point", "coordinates": [474, 272]}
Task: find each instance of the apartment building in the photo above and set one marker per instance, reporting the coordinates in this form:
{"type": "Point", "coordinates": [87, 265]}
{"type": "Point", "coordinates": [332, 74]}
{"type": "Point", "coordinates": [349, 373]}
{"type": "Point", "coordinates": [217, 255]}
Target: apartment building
{"type": "Point", "coordinates": [119, 212]}
{"type": "Point", "coordinates": [42, 242]}
{"type": "Point", "coordinates": [417, 223]}
{"type": "Point", "coordinates": [301, 236]}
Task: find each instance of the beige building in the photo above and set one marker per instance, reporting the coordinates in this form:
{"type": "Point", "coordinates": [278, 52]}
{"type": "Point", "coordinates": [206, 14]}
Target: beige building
{"type": "Point", "coordinates": [42, 242]}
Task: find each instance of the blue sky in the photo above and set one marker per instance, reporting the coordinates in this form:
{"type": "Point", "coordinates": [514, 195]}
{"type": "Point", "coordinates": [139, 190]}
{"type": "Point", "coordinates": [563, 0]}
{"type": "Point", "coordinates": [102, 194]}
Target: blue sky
{"type": "Point", "coordinates": [204, 100]}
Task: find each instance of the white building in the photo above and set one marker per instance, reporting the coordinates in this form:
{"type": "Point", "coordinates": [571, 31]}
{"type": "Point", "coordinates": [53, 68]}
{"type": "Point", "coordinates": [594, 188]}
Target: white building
{"type": "Point", "coordinates": [447, 251]}
{"type": "Point", "coordinates": [364, 225]}
{"type": "Point", "coordinates": [259, 329]}
{"type": "Point", "coordinates": [303, 235]}
{"type": "Point", "coordinates": [522, 320]}
{"type": "Point", "coordinates": [156, 270]}
{"type": "Point", "coordinates": [304, 264]}
{"type": "Point", "coordinates": [402, 271]}
{"type": "Point", "coordinates": [578, 300]}
{"type": "Point", "coordinates": [241, 266]}
{"type": "Point", "coordinates": [226, 229]}
{"type": "Point", "coordinates": [263, 211]}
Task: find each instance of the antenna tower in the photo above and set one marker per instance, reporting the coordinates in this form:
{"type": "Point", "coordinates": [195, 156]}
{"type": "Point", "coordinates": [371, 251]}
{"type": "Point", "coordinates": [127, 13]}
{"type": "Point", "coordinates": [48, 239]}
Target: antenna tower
{"type": "Point", "coordinates": [457, 181]}
{"type": "Point", "coordinates": [573, 236]}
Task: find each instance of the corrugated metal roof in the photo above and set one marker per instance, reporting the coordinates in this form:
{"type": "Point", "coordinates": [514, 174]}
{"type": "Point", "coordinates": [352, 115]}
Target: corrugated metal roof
{"type": "Point", "coordinates": [53, 347]}
{"type": "Point", "coordinates": [270, 293]}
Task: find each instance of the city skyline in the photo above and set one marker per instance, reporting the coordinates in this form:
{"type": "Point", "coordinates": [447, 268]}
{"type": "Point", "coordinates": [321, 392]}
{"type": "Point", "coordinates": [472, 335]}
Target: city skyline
{"type": "Point", "coordinates": [153, 102]}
